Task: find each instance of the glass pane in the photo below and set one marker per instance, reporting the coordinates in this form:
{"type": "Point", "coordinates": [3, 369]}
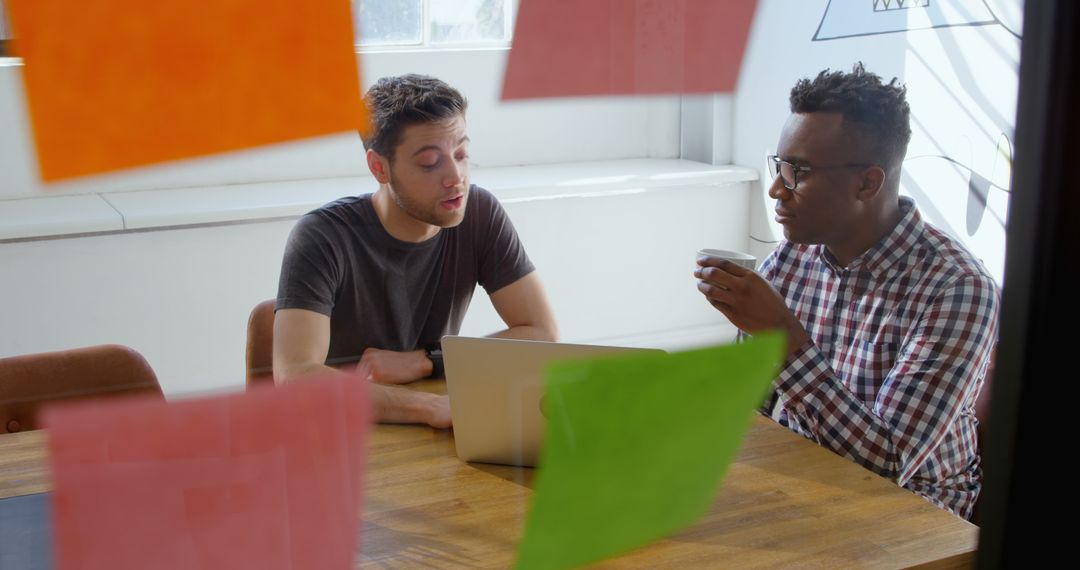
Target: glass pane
{"type": "Point", "coordinates": [4, 28]}
{"type": "Point", "coordinates": [387, 22]}
{"type": "Point", "coordinates": [459, 21]}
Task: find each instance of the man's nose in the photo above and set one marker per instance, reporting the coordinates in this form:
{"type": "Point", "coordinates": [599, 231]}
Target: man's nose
{"type": "Point", "coordinates": [777, 191]}
{"type": "Point", "coordinates": [455, 175]}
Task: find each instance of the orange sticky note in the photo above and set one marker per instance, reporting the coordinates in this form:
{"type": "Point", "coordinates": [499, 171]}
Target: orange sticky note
{"type": "Point", "coordinates": [265, 479]}
{"type": "Point", "coordinates": [115, 84]}
{"type": "Point", "coordinates": [603, 47]}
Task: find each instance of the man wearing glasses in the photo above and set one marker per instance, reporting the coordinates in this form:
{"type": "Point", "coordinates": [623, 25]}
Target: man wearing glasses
{"type": "Point", "coordinates": [890, 322]}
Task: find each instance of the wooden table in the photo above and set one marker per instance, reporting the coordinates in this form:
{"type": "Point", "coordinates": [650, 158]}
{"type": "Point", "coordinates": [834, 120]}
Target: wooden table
{"type": "Point", "coordinates": [785, 502]}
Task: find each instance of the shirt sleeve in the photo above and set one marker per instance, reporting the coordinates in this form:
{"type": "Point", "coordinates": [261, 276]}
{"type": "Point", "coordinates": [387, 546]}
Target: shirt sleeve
{"type": "Point", "coordinates": [767, 270]}
{"type": "Point", "coordinates": [309, 270]}
{"type": "Point", "coordinates": [939, 367]}
{"type": "Point", "coordinates": [503, 259]}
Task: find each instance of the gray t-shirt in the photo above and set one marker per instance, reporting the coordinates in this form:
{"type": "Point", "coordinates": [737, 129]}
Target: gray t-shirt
{"type": "Point", "coordinates": [381, 292]}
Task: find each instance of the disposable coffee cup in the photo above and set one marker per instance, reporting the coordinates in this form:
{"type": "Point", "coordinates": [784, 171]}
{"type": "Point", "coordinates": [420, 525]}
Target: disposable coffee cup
{"type": "Point", "coordinates": [739, 258]}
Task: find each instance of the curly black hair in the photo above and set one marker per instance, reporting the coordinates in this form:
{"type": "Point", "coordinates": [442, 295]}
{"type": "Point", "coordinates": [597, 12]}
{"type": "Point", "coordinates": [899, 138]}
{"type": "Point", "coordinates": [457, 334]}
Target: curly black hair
{"type": "Point", "coordinates": [397, 102]}
{"type": "Point", "coordinates": [878, 111]}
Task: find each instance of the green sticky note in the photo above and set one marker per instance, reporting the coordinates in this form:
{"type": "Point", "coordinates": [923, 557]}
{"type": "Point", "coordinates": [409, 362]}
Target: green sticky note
{"type": "Point", "coordinates": [636, 446]}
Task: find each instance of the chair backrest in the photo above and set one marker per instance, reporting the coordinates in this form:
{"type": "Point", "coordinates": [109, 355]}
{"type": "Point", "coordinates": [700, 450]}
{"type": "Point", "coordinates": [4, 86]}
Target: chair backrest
{"type": "Point", "coordinates": [260, 344]}
{"type": "Point", "coordinates": [29, 382]}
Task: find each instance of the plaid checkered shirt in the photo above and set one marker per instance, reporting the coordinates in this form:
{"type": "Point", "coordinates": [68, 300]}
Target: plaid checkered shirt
{"type": "Point", "coordinates": [900, 341]}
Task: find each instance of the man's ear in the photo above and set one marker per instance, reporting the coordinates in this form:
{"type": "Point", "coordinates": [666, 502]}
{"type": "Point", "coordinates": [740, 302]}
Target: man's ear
{"type": "Point", "coordinates": [379, 166]}
{"type": "Point", "coordinates": [871, 183]}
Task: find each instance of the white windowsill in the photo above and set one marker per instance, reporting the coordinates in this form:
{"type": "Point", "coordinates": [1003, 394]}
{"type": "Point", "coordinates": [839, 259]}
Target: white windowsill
{"type": "Point", "coordinates": [49, 217]}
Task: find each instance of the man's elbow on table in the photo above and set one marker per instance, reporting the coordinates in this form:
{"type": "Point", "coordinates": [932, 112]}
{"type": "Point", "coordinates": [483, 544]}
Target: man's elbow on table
{"type": "Point", "coordinates": [524, 307]}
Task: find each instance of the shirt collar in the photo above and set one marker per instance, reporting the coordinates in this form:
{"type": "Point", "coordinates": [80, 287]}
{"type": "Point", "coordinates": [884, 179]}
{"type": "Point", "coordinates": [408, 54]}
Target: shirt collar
{"type": "Point", "coordinates": [889, 250]}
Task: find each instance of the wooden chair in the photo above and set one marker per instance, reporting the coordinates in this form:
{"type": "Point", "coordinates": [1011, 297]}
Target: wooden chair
{"type": "Point", "coordinates": [260, 344]}
{"type": "Point", "coordinates": [31, 381]}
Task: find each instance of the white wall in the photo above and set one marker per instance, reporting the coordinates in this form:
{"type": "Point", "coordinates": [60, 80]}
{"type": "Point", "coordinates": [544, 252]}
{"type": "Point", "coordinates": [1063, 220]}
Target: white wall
{"type": "Point", "coordinates": [962, 84]}
{"type": "Point", "coordinates": [527, 132]}
{"type": "Point", "coordinates": [179, 297]}
{"type": "Point", "coordinates": [617, 265]}
{"type": "Point", "coordinates": [182, 296]}
{"type": "Point", "coordinates": [706, 128]}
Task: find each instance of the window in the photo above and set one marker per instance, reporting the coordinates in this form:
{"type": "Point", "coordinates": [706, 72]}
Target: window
{"type": "Point", "coordinates": [5, 31]}
{"type": "Point", "coordinates": [420, 23]}
{"type": "Point", "coordinates": [430, 23]}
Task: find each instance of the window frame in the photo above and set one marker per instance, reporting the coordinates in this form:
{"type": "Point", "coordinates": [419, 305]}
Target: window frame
{"type": "Point", "coordinates": [425, 44]}
{"type": "Point", "coordinates": [5, 32]}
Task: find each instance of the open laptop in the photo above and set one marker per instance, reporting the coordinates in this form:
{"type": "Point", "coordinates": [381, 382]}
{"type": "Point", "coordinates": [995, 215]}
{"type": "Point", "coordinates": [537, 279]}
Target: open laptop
{"type": "Point", "coordinates": [495, 387]}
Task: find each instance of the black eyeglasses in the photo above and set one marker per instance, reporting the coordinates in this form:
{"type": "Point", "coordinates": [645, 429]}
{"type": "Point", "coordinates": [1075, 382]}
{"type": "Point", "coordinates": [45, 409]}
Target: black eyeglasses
{"type": "Point", "coordinates": [789, 172]}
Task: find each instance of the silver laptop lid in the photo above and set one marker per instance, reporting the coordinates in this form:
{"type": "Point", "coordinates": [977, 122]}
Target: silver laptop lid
{"type": "Point", "coordinates": [496, 388]}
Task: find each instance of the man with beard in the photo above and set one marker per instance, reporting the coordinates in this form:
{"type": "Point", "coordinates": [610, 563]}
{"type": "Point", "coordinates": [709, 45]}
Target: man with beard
{"type": "Point", "coordinates": [378, 279]}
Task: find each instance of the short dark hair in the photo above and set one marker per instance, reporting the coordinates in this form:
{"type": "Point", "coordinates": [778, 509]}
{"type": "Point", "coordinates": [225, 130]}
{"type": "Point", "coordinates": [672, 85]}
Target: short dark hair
{"type": "Point", "coordinates": [879, 111]}
{"type": "Point", "coordinates": [397, 102]}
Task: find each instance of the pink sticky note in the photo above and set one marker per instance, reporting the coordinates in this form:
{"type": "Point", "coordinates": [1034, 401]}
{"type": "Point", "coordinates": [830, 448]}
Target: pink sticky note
{"type": "Point", "coordinates": [265, 479]}
{"type": "Point", "coordinates": [607, 47]}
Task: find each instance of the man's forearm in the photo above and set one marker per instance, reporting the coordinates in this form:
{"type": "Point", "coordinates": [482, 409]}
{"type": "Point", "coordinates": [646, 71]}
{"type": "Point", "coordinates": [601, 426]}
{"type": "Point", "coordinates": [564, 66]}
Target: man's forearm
{"type": "Point", "coordinates": [296, 372]}
{"type": "Point", "coordinates": [391, 367]}
{"type": "Point", "coordinates": [392, 404]}
{"type": "Point", "coordinates": [527, 332]}
{"type": "Point", "coordinates": [812, 391]}
{"type": "Point", "coordinates": [397, 405]}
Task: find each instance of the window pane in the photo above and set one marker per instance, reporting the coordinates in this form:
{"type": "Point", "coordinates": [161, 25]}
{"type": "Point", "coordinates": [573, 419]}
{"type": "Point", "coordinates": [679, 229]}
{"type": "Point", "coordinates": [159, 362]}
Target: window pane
{"type": "Point", "coordinates": [457, 21]}
{"type": "Point", "coordinates": [4, 28]}
{"type": "Point", "coordinates": [382, 22]}
{"type": "Point", "coordinates": [5, 33]}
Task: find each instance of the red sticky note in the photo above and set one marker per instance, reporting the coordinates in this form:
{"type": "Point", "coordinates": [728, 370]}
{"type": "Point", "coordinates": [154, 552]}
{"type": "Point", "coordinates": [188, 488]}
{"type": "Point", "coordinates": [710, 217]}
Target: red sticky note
{"type": "Point", "coordinates": [113, 84]}
{"type": "Point", "coordinates": [265, 479]}
{"type": "Point", "coordinates": [612, 47]}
